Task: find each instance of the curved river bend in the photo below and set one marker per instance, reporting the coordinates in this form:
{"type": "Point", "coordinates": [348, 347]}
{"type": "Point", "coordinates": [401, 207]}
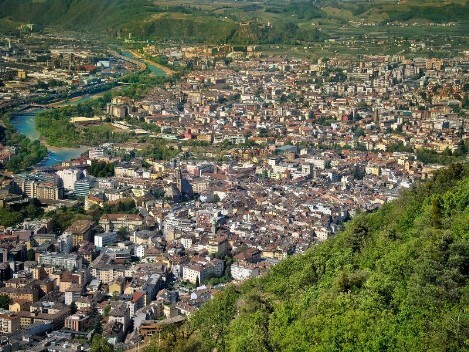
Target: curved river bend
{"type": "Point", "coordinates": [25, 123]}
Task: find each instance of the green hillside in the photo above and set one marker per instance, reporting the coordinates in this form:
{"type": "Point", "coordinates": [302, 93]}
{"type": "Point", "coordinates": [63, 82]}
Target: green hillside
{"type": "Point", "coordinates": [156, 20]}
{"type": "Point", "coordinates": [229, 21]}
{"type": "Point", "coordinates": [394, 280]}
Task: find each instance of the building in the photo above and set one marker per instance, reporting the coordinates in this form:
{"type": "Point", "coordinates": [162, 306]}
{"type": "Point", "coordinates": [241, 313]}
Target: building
{"type": "Point", "coordinates": [117, 286]}
{"type": "Point", "coordinates": [96, 153]}
{"type": "Point", "coordinates": [137, 302]}
{"type": "Point", "coordinates": [65, 243]}
{"type": "Point", "coordinates": [77, 322]}
{"type": "Point", "coordinates": [42, 187]}
{"type": "Point", "coordinates": [105, 239]}
{"type": "Point", "coordinates": [83, 186]}
{"type": "Point", "coordinates": [66, 261]}
{"type": "Point", "coordinates": [140, 251]}
{"type": "Point", "coordinates": [218, 245]}
{"type": "Point", "coordinates": [200, 272]}
{"type": "Point", "coordinates": [81, 230]}
{"type": "Point", "coordinates": [9, 323]}
{"type": "Point", "coordinates": [69, 177]}
{"type": "Point", "coordinates": [242, 271]}
{"type": "Point", "coordinates": [29, 293]}
{"type": "Point", "coordinates": [149, 327]}
{"type": "Point", "coordinates": [114, 222]}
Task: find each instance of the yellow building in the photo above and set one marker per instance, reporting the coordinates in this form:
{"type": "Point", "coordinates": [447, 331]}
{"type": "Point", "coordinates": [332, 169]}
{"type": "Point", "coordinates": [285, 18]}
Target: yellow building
{"type": "Point", "coordinates": [22, 74]}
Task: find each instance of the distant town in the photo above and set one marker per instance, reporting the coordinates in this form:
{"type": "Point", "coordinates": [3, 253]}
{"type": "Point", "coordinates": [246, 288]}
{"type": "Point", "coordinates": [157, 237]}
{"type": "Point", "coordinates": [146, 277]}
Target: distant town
{"type": "Point", "coordinates": [193, 166]}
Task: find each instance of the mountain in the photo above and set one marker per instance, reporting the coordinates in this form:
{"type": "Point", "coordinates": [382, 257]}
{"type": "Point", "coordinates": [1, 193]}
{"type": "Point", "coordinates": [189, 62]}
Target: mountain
{"type": "Point", "coordinates": [393, 280]}
{"type": "Point", "coordinates": [149, 19]}
{"type": "Point", "coordinates": [237, 22]}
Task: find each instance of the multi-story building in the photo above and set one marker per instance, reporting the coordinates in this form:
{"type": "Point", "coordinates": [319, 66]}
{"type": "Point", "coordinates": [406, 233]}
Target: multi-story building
{"type": "Point", "coordinates": [9, 323]}
{"type": "Point", "coordinates": [77, 322]}
{"type": "Point", "coordinates": [81, 230]}
{"type": "Point", "coordinates": [30, 293]}
{"type": "Point", "coordinates": [41, 186]}
{"type": "Point", "coordinates": [82, 187]}
{"type": "Point", "coordinates": [66, 261]}
{"type": "Point", "coordinates": [217, 245]}
{"type": "Point", "coordinates": [65, 243]}
{"type": "Point", "coordinates": [242, 271]}
{"type": "Point", "coordinates": [69, 177]}
{"type": "Point", "coordinates": [105, 239]}
{"type": "Point", "coordinates": [200, 272]}
{"type": "Point", "coordinates": [113, 222]}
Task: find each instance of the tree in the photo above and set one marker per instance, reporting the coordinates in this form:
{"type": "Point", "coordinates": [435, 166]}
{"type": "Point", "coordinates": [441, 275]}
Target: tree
{"type": "Point", "coordinates": [358, 173]}
{"type": "Point", "coordinates": [436, 213]}
{"type": "Point", "coordinates": [216, 198]}
{"type": "Point", "coordinates": [100, 344]}
{"type": "Point", "coordinates": [73, 308]}
{"type": "Point", "coordinates": [30, 255]}
{"type": "Point", "coordinates": [4, 301]}
{"type": "Point", "coordinates": [123, 234]}
{"type": "Point", "coordinates": [106, 311]}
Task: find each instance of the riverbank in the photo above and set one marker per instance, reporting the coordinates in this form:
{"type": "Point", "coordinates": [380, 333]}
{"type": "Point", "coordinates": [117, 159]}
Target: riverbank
{"type": "Point", "coordinates": [165, 69]}
{"type": "Point", "coordinates": [26, 125]}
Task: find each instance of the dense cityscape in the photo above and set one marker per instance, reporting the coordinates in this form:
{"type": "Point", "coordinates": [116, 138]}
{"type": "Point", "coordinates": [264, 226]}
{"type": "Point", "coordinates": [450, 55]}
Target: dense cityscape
{"type": "Point", "coordinates": [140, 181]}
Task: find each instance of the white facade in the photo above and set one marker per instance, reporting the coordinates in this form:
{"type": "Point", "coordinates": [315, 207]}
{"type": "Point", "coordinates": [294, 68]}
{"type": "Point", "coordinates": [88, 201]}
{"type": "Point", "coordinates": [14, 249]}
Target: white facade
{"type": "Point", "coordinates": [105, 239]}
{"type": "Point", "coordinates": [65, 243]}
{"type": "Point", "coordinates": [140, 251]}
{"type": "Point", "coordinates": [67, 261]}
{"type": "Point", "coordinates": [241, 272]}
{"type": "Point", "coordinates": [202, 271]}
{"type": "Point", "coordinates": [69, 177]}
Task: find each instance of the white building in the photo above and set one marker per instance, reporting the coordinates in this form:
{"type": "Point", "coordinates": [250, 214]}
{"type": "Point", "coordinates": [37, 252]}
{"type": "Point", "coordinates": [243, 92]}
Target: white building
{"type": "Point", "coordinates": [66, 261]}
{"type": "Point", "coordinates": [105, 239]}
{"type": "Point", "coordinates": [200, 272]}
{"type": "Point", "coordinates": [69, 177]}
{"type": "Point", "coordinates": [9, 322]}
{"type": "Point", "coordinates": [96, 153]}
{"type": "Point", "coordinates": [140, 251]}
{"type": "Point", "coordinates": [65, 243]}
{"type": "Point", "coordinates": [243, 271]}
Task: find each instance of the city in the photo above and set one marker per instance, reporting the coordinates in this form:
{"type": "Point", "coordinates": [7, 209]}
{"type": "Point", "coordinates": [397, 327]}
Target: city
{"type": "Point", "coordinates": [154, 177]}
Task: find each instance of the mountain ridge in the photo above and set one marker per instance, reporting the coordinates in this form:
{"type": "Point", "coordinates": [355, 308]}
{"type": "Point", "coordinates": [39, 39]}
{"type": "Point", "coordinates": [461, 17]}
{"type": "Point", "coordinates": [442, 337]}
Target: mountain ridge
{"type": "Point", "coordinates": [271, 22]}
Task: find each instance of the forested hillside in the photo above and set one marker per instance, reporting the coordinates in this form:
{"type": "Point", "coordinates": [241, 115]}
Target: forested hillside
{"type": "Point", "coordinates": [394, 280]}
{"type": "Point", "coordinates": [227, 21]}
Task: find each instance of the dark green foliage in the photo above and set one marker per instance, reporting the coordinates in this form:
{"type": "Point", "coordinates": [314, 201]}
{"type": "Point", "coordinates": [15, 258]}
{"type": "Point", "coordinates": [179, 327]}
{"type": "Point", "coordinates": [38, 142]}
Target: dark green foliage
{"type": "Point", "coordinates": [99, 344]}
{"type": "Point", "coordinates": [394, 280]}
{"type": "Point", "coordinates": [73, 308]}
{"type": "Point", "coordinates": [439, 14]}
{"type": "Point", "coordinates": [145, 19]}
{"type": "Point", "coordinates": [126, 206]}
{"type": "Point", "coordinates": [101, 169]}
{"type": "Point", "coordinates": [30, 255]}
{"type": "Point", "coordinates": [123, 234]}
{"type": "Point", "coordinates": [64, 217]}
{"type": "Point", "coordinates": [55, 126]}
{"type": "Point", "coordinates": [4, 301]}
{"type": "Point", "coordinates": [430, 156]}
{"type": "Point", "coordinates": [28, 152]}
{"type": "Point", "coordinates": [159, 151]}
{"type": "Point", "coordinates": [11, 217]}
{"type": "Point", "coordinates": [399, 147]}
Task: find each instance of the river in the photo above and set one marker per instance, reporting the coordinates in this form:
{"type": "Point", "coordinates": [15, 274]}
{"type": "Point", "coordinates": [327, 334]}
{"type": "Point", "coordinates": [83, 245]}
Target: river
{"type": "Point", "coordinates": [153, 69]}
{"type": "Point", "coordinates": [26, 124]}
